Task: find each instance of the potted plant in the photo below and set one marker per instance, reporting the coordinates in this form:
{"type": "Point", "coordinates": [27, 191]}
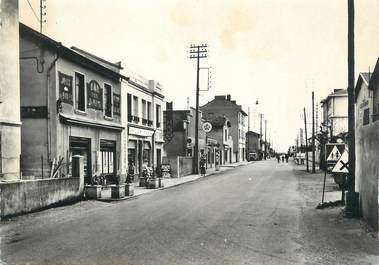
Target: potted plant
{"type": "Point", "coordinates": [93, 191]}
{"type": "Point", "coordinates": [129, 188]}
{"type": "Point", "coordinates": [118, 189]}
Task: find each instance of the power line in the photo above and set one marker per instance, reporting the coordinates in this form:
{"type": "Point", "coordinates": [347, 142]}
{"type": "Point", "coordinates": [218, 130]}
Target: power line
{"type": "Point", "coordinates": [34, 12]}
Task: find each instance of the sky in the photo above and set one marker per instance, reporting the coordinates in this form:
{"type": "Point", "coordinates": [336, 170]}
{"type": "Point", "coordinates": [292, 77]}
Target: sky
{"type": "Point", "coordinates": [275, 52]}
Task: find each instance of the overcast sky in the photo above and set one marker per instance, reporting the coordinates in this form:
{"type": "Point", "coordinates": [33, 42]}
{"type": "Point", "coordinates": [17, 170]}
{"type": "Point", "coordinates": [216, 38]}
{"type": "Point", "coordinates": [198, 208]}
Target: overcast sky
{"type": "Point", "coordinates": [265, 50]}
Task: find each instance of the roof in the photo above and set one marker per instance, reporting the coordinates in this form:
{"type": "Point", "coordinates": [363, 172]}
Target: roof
{"type": "Point", "coordinates": [362, 78]}
{"type": "Point", "coordinates": [375, 76]}
{"type": "Point", "coordinates": [77, 56]}
{"type": "Point", "coordinates": [336, 93]}
{"type": "Point", "coordinates": [227, 100]}
{"type": "Point", "coordinates": [251, 132]}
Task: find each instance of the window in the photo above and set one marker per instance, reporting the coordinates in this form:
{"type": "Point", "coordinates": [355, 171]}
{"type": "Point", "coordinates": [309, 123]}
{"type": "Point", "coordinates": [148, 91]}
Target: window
{"type": "Point", "coordinates": [108, 100]}
{"type": "Point", "coordinates": [144, 116]}
{"type": "Point", "coordinates": [149, 118]}
{"type": "Point", "coordinates": [135, 106]}
{"type": "Point", "coordinates": [129, 99]}
{"type": "Point", "coordinates": [116, 104]}
{"type": "Point", "coordinates": [158, 115]}
{"type": "Point", "coordinates": [366, 116]}
{"type": "Point", "coordinates": [79, 92]}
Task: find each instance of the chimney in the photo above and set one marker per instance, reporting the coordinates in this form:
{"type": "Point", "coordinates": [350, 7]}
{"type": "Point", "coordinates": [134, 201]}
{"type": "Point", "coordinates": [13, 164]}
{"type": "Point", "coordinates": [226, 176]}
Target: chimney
{"type": "Point", "coordinates": [228, 97]}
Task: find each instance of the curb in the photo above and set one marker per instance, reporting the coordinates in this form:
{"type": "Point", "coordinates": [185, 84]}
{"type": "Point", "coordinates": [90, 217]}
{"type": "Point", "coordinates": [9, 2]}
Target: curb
{"type": "Point", "coordinates": [110, 200]}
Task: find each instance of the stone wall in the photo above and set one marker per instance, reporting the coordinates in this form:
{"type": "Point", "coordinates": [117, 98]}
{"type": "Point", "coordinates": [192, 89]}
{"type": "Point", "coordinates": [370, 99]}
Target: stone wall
{"type": "Point", "coordinates": [30, 195]}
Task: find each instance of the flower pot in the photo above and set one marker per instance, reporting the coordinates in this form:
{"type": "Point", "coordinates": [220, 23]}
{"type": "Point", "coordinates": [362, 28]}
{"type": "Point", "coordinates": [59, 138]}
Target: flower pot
{"type": "Point", "coordinates": [153, 184]}
{"type": "Point", "coordinates": [129, 190]}
{"type": "Point", "coordinates": [92, 191]}
{"type": "Point", "coordinates": [118, 191]}
{"type": "Point", "coordinates": [142, 182]}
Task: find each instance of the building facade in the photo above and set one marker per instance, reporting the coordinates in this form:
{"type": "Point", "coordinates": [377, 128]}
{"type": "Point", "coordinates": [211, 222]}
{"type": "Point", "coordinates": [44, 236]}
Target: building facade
{"type": "Point", "coordinates": [224, 106]}
{"type": "Point", "coordinates": [335, 116]}
{"type": "Point", "coordinates": [253, 145]}
{"type": "Point", "coordinates": [10, 124]}
{"type": "Point", "coordinates": [221, 134]}
{"type": "Point", "coordinates": [183, 134]}
{"type": "Point", "coordinates": [366, 142]}
{"type": "Point", "coordinates": [144, 119]}
{"type": "Point", "coordinates": [70, 105]}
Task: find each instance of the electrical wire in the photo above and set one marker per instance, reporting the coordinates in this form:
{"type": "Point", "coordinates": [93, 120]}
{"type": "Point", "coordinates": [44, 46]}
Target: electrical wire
{"type": "Point", "coordinates": [34, 12]}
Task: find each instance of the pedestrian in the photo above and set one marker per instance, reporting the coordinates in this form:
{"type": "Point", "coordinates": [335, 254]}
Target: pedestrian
{"type": "Point", "coordinates": [203, 162]}
{"type": "Point", "coordinates": [283, 158]}
{"type": "Point", "coordinates": [286, 158]}
{"type": "Point", "coordinates": [278, 158]}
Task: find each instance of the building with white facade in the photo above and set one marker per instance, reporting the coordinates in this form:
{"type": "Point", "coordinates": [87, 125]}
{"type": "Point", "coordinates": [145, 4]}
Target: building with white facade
{"type": "Point", "coordinates": [143, 117]}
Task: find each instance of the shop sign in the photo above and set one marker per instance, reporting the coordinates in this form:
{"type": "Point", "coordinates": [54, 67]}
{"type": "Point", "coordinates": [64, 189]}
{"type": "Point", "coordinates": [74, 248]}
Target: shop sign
{"type": "Point", "coordinates": [207, 127]}
{"type": "Point", "coordinates": [140, 132]}
{"type": "Point", "coordinates": [166, 170]}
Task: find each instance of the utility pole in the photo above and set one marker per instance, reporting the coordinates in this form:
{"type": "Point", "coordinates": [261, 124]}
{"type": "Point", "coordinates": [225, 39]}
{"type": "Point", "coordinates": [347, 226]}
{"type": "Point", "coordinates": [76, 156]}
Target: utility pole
{"type": "Point", "coordinates": [306, 140]}
{"type": "Point", "coordinates": [260, 130]}
{"type": "Point", "coordinates": [313, 134]}
{"type": "Point", "coordinates": [265, 139]}
{"type": "Point", "coordinates": [197, 52]}
{"type": "Point", "coordinates": [42, 14]}
{"type": "Point", "coordinates": [352, 197]}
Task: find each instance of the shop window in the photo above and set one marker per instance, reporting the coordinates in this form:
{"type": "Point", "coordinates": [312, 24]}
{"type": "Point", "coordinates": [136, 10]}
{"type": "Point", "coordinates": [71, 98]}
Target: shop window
{"type": "Point", "coordinates": [81, 146]}
{"type": "Point", "coordinates": [108, 100]}
{"type": "Point", "coordinates": [146, 156]}
{"type": "Point", "coordinates": [108, 156]}
{"type": "Point", "coordinates": [79, 92]}
{"type": "Point", "coordinates": [366, 116]}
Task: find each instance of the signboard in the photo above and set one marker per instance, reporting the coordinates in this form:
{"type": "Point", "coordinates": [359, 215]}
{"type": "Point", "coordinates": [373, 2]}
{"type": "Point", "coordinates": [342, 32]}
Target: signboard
{"type": "Point", "coordinates": [207, 127]}
{"type": "Point", "coordinates": [140, 132]}
{"type": "Point", "coordinates": [342, 165]}
{"type": "Point", "coordinates": [166, 170]}
{"type": "Point", "coordinates": [333, 152]}
{"type": "Point", "coordinates": [65, 88]}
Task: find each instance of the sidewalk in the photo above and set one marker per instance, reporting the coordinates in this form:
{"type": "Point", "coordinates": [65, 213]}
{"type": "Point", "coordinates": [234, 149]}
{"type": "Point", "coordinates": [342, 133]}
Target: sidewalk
{"type": "Point", "coordinates": [326, 232]}
{"type": "Point", "coordinates": [169, 182]}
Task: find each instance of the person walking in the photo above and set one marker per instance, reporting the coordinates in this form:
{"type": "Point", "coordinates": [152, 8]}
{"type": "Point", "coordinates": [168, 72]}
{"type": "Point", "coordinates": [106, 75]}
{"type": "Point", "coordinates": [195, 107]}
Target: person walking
{"type": "Point", "coordinates": [283, 158]}
{"type": "Point", "coordinates": [286, 158]}
{"type": "Point", "coordinates": [203, 162]}
{"type": "Point", "coordinates": [278, 158]}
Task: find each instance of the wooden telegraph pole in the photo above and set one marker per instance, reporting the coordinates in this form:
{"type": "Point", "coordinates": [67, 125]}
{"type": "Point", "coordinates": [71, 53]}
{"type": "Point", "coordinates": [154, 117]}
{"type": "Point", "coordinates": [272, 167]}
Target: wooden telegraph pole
{"type": "Point", "coordinates": [197, 52]}
{"type": "Point", "coordinates": [352, 197]}
{"type": "Point", "coordinates": [313, 134]}
{"type": "Point", "coordinates": [306, 140]}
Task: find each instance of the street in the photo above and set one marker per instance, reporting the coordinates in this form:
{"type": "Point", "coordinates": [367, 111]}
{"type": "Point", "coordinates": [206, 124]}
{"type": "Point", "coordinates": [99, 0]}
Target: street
{"type": "Point", "coordinates": [262, 213]}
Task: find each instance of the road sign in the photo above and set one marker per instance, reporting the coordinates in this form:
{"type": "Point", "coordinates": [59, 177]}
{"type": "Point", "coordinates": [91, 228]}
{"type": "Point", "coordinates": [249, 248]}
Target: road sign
{"type": "Point", "coordinates": [333, 152]}
{"type": "Point", "coordinates": [342, 165]}
{"type": "Point", "coordinates": [207, 127]}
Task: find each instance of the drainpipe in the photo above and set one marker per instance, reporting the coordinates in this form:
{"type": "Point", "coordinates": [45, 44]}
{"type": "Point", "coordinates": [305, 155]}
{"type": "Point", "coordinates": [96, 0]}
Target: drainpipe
{"type": "Point", "coordinates": [53, 64]}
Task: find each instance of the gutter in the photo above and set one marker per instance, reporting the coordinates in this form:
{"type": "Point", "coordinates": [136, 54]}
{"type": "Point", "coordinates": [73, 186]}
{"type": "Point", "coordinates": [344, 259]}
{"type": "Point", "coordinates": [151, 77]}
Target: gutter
{"type": "Point", "coordinates": [53, 64]}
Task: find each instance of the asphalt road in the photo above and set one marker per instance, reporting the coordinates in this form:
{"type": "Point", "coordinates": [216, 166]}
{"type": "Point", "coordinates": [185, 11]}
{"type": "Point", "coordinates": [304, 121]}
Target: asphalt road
{"type": "Point", "coordinates": [255, 214]}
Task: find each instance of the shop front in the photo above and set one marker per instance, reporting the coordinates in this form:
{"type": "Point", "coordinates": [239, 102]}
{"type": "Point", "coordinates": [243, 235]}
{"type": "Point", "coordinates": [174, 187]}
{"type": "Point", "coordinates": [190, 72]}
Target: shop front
{"type": "Point", "coordinates": [139, 149]}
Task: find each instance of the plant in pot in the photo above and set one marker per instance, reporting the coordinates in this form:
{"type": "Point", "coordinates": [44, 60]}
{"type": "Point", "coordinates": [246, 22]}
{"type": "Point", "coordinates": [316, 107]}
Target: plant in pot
{"type": "Point", "coordinates": [118, 189]}
{"type": "Point", "coordinates": [93, 191]}
{"type": "Point", "coordinates": [129, 188]}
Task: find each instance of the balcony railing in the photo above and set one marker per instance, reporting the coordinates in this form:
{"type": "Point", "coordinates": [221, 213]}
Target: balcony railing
{"type": "Point", "coordinates": [150, 123]}
{"type": "Point", "coordinates": [136, 119]}
{"type": "Point", "coordinates": [144, 121]}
